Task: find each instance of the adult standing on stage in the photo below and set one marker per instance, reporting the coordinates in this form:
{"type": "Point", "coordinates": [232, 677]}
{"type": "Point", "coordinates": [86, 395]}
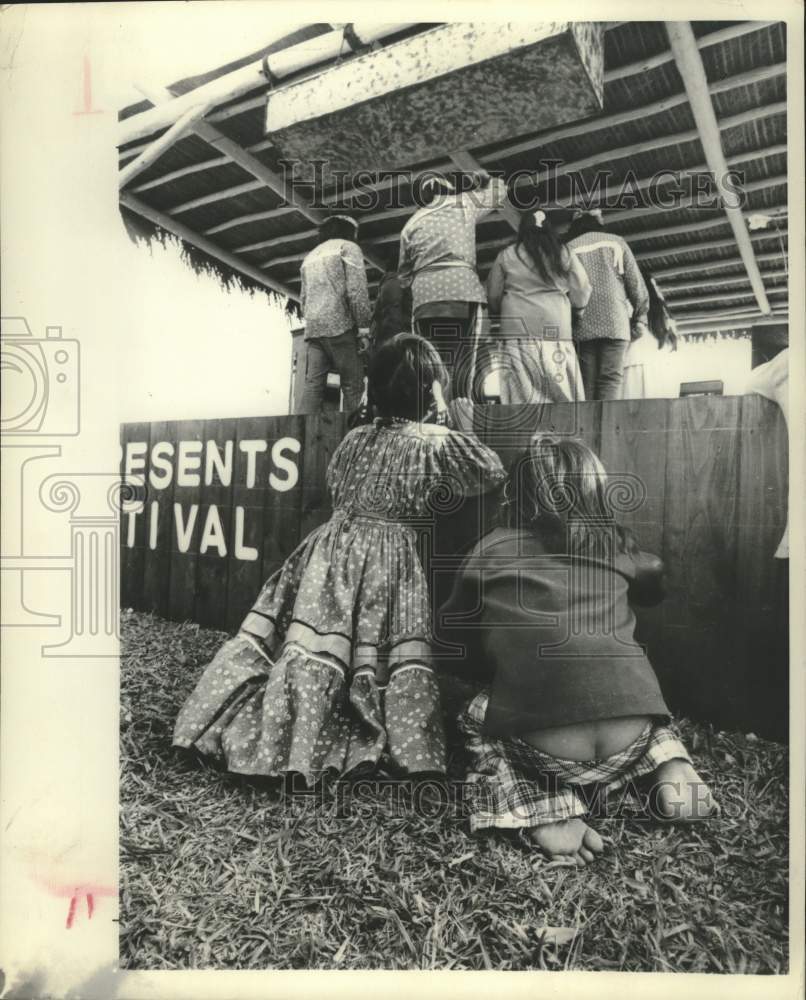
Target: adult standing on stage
{"type": "Point", "coordinates": [438, 260]}
{"type": "Point", "coordinates": [604, 331]}
{"type": "Point", "coordinates": [335, 304]}
{"type": "Point", "coordinates": [533, 286]}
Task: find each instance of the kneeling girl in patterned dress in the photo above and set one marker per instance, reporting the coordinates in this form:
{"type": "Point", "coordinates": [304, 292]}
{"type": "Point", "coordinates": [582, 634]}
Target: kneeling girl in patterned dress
{"type": "Point", "coordinates": [331, 670]}
{"type": "Point", "coordinates": [574, 710]}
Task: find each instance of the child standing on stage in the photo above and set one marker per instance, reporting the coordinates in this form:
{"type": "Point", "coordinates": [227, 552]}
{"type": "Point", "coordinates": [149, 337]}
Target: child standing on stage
{"type": "Point", "coordinates": [574, 706]}
{"type": "Point", "coordinates": [331, 670]}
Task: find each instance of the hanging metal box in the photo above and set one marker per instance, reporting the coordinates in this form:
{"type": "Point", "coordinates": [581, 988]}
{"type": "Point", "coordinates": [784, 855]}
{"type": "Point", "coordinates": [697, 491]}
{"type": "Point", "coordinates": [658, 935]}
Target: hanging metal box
{"type": "Point", "coordinates": [455, 87]}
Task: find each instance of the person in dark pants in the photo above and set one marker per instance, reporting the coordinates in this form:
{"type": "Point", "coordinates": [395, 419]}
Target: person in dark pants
{"type": "Point", "coordinates": [603, 332]}
{"type": "Point", "coordinates": [438, 261]}
{"type": "Point", "coordinates": [335, 303]}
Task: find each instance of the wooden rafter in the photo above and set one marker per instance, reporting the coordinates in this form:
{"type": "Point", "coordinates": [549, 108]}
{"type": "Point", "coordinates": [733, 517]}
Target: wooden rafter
{"type": "Point", "coordinates": [227, 151]}
{"type": "Point", "coordinates": [618, 153]}
{"type": "Point", "coordinates": [606, 121]}
{"type": "Point", "coordinates": [243, 220]}
{"type": "Point", "coordinates": [634, 68]}
{"type": "Point", "coordinates": [264, 176]}
{"type": "Point", "coordinates": [722, 297]}
{"type": "Point", "coordinates": [703, 42]}
{"type": "Point", "coordinates": [728, 321]}
{"type": "Point", "coordinates": [689, 63]}
{"type": "Point", "coordinates": [704, 245]}
{"type": "Point", "coordinates": [153, 152]}
{"type": "Point", "coordinates": [690, 227]}
{"type": "Point", "coordinates": [638, 113]}
{"type": "Point", "coordinates": [734, 279]}
{"type": "Point", "coordinates": [622, 215]}
{"type": "Point", "coordinates": [640, 184]}
{"type": "Point", "coordinates": [714, 265]}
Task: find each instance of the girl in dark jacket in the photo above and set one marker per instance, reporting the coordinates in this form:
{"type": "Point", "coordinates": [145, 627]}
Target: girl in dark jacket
{"type": "Point", "coordinates": [574, 707]}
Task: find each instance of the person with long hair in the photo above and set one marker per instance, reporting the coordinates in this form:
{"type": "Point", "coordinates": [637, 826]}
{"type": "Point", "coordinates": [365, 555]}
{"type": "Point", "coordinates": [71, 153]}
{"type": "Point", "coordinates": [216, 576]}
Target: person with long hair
{"type": "Point", "coordinates": [438, 262]}
{"type": "Point", "coordinates": [617, 309]}
{"type": "Point", "coordinates": [533, 286]}
{"type": "Point", "coordinates": [572, 706]}
{"type": "Point", "coordinates": [331, 671]}
{"type": "Point", "coordinates": [334, 298]}
{"type": "Point", "coordinates": [642, 354]}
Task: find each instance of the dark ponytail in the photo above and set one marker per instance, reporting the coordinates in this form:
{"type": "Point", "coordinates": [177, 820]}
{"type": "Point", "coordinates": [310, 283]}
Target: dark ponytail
{"type": "Point", "coordinates": [659, 319]}
{"type": "Point", "coordinates": [542, 249]}
{"type": "Point", "coordinates": [401, 376]}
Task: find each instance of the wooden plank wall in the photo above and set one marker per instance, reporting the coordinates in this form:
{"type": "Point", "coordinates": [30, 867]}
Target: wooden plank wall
{"type": "Point", "coordinates": [713, 473]}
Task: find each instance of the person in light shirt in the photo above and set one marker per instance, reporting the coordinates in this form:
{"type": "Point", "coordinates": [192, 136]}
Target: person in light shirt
{"type": "Point", "coordinates": [335, 303]}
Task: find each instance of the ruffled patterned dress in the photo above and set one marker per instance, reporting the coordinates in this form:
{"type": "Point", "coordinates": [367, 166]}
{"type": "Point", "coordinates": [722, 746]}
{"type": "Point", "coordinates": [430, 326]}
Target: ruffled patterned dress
{"type": "Point", "coordinates": [331, 670]}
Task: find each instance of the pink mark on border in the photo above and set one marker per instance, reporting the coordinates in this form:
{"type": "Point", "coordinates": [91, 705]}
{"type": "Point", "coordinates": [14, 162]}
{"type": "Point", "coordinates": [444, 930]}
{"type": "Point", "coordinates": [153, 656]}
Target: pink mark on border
{"type": "Point", "coordinates": [88, 890]}
{"type": "Point", "coordinates": [88, 109]}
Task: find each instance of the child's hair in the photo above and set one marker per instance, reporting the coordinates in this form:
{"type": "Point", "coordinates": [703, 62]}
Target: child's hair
{"type": "Point", "coordinates": [659, 319]}
{"type": "Point", "coordinates": [543, 250]}
{"type": "Point", "coordinates": [339, 227]}
{"type": "Point", "coordinates": [401, 376]}
{"type": "Point", "coordinates": [560, 483]}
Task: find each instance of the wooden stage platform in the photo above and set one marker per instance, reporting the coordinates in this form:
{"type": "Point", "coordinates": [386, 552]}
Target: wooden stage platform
{"type": "Point", "coordinates": [227, 500]}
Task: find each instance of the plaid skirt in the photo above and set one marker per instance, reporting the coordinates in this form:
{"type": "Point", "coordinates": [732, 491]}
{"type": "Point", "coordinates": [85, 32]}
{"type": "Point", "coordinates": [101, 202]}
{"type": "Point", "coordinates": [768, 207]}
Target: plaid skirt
{"type": "Point", "coordinates": [513, 785]}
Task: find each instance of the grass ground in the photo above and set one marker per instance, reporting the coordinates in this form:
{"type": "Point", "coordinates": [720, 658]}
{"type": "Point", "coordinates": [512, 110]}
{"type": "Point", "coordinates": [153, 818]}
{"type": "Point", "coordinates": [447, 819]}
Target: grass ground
{"type": "Point", "coordinates": [223, 872]}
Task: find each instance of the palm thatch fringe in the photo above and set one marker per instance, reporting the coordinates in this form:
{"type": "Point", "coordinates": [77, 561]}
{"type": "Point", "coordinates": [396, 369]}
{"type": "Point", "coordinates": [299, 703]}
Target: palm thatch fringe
{"type": "Point", "coordinates": [142, 231]}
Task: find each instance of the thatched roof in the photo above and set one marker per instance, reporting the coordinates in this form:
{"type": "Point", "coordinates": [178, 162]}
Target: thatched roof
{"type": "Point", "coordinates": [235, 217]}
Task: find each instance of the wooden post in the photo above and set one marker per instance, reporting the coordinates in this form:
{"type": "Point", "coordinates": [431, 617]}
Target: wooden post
{"type": "Point", "coordinates": [689, 63]}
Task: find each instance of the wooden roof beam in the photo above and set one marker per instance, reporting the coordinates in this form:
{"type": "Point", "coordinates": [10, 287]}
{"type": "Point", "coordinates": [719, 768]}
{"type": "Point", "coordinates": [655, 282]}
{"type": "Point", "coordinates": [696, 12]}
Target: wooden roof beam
{"type": "Point", "coordinates": [623, 152]}
{"type": "Point", "coordinates": [703, 42]}
{"type": "Point", "coordinates": [740, 279]}
{"type": "Point", "coordinates": [720, 297]}
{"type": "Point", "coordinates": [715, 265]}
{"type": "Point", "coordinates": [284, 62]}
{"type": "Point", "coordinates": [242, 220]}
{"type": "Point", "coordinates": [185, 233]}
{"type": "Point", "coordinates": [728, 321]}
{"type": "Point", "coordinates": [619, 72]}
{"type": "Point", "coordinates": [262, 174]}
{"type": "Point", "coordinates": [622, 215]}
{"type": "Point", "coordinates": [729, 83]}
{"type": "Point", "coordinates": [689, 63]}
{"type": "Point", "coordinates": [393, 213]}
{"type": "Point", "coordinates": [159, 146]}
{"type": "Point", "coordinates": [598, 124]}
{"type": "Point", "coordinates": [706, 245]}
{"type": "Point", "coordinates": [691, 227]}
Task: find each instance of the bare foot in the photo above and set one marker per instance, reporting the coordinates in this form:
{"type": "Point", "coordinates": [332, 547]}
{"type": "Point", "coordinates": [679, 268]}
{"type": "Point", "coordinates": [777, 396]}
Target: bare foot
{"type": "Point", "coordinates": [571, 839]}
{"type": "Point", "coordinates": [679, 795]}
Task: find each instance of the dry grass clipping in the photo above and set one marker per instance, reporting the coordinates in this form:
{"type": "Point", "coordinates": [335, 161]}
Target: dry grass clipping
{"type": "Point", "coordinates": [221, 872]}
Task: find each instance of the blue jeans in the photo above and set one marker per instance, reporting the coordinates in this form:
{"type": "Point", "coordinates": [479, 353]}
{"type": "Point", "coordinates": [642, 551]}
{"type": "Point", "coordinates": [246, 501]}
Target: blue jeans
{"type": "Point", "coordinates": [333, 354]}
{"type": "Point", "coordinates": [602, 365]}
